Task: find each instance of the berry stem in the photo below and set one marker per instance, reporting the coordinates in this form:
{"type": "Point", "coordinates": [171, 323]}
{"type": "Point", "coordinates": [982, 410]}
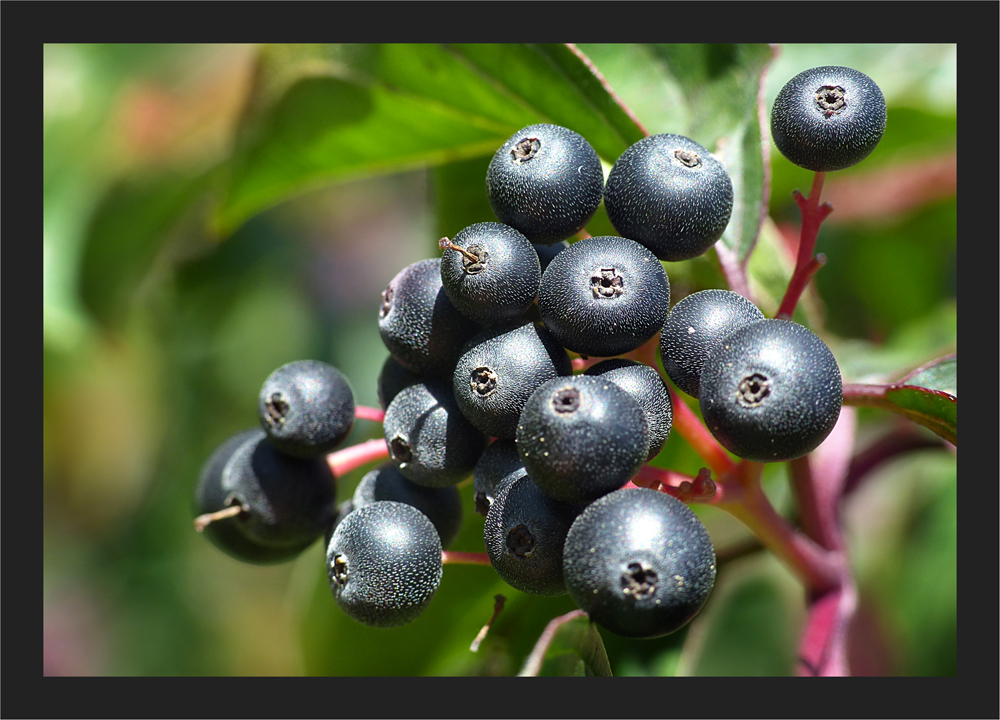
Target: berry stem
{"type": "Point", "coordinates": [813, 215]}
{"type": "Point", "coordinates": [820, 569]}
{"type": "Point", "coordinates": [533, 664]}
{"type": "Point", "coordinates": [350, 458]}
{"type": "Point", "coordinates": [203, 521]}
{"type": "Point", "coordinates": [498, 604]}
{"type": "Point", "coordinates": [363, 412]}
{"type": "Point", "coordinates": [446, 244]}
{"type": "Point", "coordinates": [693, 430]}
{"type": "Point", "coordinates": [683, 487]}
{"type": "Point", "coordinates": [454, 557]}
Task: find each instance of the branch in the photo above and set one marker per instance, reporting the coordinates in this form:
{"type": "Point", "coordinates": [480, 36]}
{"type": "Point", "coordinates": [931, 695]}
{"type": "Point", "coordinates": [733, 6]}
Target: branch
{"type": "Point", "coordinates": [813, 214]}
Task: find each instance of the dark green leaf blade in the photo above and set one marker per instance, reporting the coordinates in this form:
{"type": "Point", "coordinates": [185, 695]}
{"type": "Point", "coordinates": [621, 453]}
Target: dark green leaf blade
{"type": "Point", "coordinates": [575, 649]}
{"type": "Point", "coordinates": [928, 396]}
{"type": "Point", "coordinates": [321, 114]}
{"type": "Point", "coordinates": [711, 94]}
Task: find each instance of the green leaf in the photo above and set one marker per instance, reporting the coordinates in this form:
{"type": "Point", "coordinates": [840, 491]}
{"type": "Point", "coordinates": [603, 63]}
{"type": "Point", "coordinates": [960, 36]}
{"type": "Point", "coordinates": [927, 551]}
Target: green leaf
{"type": "Point", "coordinates": [750, 625]}
{"type": "Point", "coordinates": [928, 396]}
{"type": "Point", "coordinates": [708, 92]}
{"type": "Point", "coordinates": [325, 113]}
{"type": "Point", "coordinates": [577, 649]}
{"type": "Point", "coordinates": [127, 234]}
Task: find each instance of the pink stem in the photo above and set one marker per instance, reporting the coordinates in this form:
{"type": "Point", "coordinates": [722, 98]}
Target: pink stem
{"type": "Point", "coordinates": [343, 461]}
{"type": "Point", "coordinates": [363, 412]}
{"type": "Point", "coordinates": [813, 214]}
{"type": "Point", "coordinates": [823, 646]}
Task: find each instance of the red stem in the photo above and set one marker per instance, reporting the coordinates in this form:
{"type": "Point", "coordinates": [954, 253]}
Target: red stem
{"type": "Point", "coordinates": [363, 412]}
{"type": "Point", "coordinates": [343, 461]}
{"type": "Point", "coordinates": [818, 568]}
{"type": "Point", "coordinates": [813, 214]}
{"type": "Point", "coordinates": [693, 430]}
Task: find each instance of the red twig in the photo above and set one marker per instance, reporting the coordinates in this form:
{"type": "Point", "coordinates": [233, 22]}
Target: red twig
{"type": "Point", "coordinates": [818, 568]}
{"type": "Point", "coordinates": [693, 430]}
{"type": "Point", "coordinates": [683, 487]}
{"type": "Point", "coordinates": [813, 214]}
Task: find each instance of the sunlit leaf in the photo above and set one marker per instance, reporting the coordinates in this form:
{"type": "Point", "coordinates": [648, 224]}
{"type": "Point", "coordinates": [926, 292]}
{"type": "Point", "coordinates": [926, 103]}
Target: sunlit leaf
{"type": "Point", "coordinates": [328, 113]}
{"type": "Point", "coordinates": [708, 92]}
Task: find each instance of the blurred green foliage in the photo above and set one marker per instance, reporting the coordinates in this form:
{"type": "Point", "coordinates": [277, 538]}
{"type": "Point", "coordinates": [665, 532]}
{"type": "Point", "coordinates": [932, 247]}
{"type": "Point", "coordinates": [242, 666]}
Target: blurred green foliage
{"type": "Point", "coordinates": [212, 212]}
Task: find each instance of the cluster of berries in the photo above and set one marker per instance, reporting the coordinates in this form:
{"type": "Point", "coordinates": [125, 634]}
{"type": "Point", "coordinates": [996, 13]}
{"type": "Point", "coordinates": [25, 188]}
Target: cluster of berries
{"type": "Point", "coordinates": [479, 381]}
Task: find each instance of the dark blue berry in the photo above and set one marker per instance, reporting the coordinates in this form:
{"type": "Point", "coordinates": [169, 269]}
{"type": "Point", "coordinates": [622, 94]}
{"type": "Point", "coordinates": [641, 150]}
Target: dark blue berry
{"type": "Point", "coordinates": [306, 408]}
{"type": "Point", "coordinates": [771, 391]}
{"type": "Point", "coordinates": [581, 437]}
{"type": "Point", "coordinates": [285, 503]}
{"type": "Point", "coordinates": [498, 466]}
{"type": "Point", "coordinates": [604, 296]}
{"type": "Point", "coordinates": [671, 195]}
{"type": "Point", "coordinates": [428, 437]}
{"type": "Point", "coordinates": [639, 562]}
{"type": "Point", "coordinates": [442, 506]}
{"type": "Point", "coordinates": [644, 384]}
{"type": "Point", "coordinates": [546, 181]}
{"type": "Point", "coordinates": [419, 325]}
{"type": "Point", "coordinates": [828, 118]}
{"type": "Point", "coordinates": [384, 563]}
{"type": "Point", "coordinates": [490, 272]}
{"type": "Point", "coordinates": [524, 533]}
{"type": "Point", "coordinates": [499, 368]}
{"type": "Point", "coordinates": [695, 326]}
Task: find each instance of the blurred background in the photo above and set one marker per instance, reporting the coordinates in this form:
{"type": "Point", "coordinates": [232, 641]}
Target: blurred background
{"type": "Point", "coordinates": [155, 351]}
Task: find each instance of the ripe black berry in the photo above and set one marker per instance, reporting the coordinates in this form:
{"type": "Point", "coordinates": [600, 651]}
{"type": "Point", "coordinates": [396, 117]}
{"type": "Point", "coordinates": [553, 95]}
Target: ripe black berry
{"type": "Point", "coordinates": [419, 325]}
{"type": "Point", "coordinates": [499, 368]}
{"type": "Point", "coordinates": [392, 378]}
{"type": "Point", "coordinates": [670, 194]}
{"type": "Point", "coordinates": [604, 296]}
{"type": "Point", "coordinates": [285, 503]}
{"type": "Point", "coordinates": [647, 387]}
{"type": "Point", "coordinates": [695, 326]}
{"type": "Point", "coordinates": [524, 533]}
{"type": "Point", "coordinates": [581, 437]}
{"type": "Point", "coordinates": [442, 506]}
{"type": "Point", "coordinates": [490, 272]}
{"type": "Point", "coordinates": [771, 391]}
{"type": "Point", "coordinates": [639, 562]}
{"type": "Point", "coordinates": [384, 563]}
{"type": "Point", "coordinates": [828, 118]}
{"type": "Point", "coordinates": [546, 181]}
{"type": "Point", "coordinates": [306, 408]}
{"type": "Point", "coordinates": [428, 437]}
{"type": "Point", "coordinates": [497, 467]}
